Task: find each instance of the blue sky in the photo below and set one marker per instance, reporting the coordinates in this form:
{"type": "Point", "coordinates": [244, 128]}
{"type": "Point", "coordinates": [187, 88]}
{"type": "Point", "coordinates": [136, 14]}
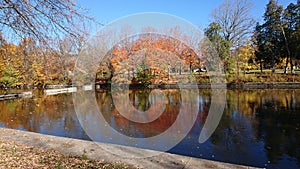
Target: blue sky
{"type": "Point", "coordinates": [198, 12]}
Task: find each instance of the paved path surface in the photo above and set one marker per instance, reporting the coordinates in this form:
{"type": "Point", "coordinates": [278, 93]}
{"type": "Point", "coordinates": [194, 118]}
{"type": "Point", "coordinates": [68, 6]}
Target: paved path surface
{"type": "Point", "coordinates": [100, 151]}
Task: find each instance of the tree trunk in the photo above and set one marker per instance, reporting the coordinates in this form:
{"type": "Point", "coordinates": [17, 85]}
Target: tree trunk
{"type": "Point", "coordinates": [261, 66]}
{"type": "Point", "coordinates": [132, 72]}
{"type": "Point", "coordinates": [168, 73]}
{"type": "Point", "coordinates": [288, 51]}
{"type": "Point", "coordinates": [237, 66]}
{"type": "Point", "coordinates": [286, 65]}
{"type": "Point", "coordinates": [292, 66]}
{"type": "Point", "coordinates": [180, 69]}
{"type": "Point", "coordinates": [128, 74]}
{"type": "Point", "coordinates": [273, 59]}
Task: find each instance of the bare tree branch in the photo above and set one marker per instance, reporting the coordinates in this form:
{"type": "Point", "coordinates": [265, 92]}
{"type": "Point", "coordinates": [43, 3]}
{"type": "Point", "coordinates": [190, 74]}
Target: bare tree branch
{"type": "Point", "coordinates": [42, 19]}
{"type": "Point", "coordinates": [234, 18]}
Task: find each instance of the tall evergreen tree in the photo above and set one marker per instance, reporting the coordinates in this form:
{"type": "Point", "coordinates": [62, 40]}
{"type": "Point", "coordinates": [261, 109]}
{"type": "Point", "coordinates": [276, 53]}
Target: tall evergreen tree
{"type": "Point", "coordinates": [269, 35]}
{"type": "Point", "coordinates": [290, 17]}
{"type": "Point", "coordinates": [272, 25]}
{"type": "Point", "coordinates": [259, 42]}
{"type": "Point", "coordinates": [296, 34]}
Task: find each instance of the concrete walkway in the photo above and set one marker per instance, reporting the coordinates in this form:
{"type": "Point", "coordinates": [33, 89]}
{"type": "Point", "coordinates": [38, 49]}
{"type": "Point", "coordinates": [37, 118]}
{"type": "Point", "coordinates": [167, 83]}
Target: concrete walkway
{"type": "Point", "coordinates": [98, 151]}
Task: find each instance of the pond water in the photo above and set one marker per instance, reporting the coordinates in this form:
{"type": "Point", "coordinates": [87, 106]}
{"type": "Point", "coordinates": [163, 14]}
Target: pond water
{"type": "Point", "coordinates": [258, 127]}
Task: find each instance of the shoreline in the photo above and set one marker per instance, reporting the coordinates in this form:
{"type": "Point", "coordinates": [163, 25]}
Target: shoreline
{"type": "Point", "coordinates": [240, 85]}
{"type": "Point", "coordinates": [99, 151]}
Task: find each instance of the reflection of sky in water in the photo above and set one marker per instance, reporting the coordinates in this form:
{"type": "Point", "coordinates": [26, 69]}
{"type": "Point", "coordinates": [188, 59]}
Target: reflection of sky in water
{"type": "Point", "coordinates": [241, 152]}
{"type": "Point", "coordinates": [258, 128]}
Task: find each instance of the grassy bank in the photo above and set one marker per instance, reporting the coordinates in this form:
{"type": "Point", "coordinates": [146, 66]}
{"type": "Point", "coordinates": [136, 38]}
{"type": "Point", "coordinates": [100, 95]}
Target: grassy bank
{"type": "Point", "coordinates": [242, 77]}
{"type": "Point", "coordinates": [264, 77]}
{"type": "Point", "coordinates": [255, 76]}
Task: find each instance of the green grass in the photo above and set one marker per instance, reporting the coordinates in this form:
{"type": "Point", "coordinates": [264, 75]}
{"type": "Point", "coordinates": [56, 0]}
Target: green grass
{"type": "Point", "coordinates": [266, 76]}
{"type": "Point", "coordinates": [297, 71]}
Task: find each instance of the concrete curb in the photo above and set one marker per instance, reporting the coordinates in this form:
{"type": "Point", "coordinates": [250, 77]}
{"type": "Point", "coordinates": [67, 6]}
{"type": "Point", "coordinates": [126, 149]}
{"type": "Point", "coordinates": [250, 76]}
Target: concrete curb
{"type": "Point", "coordinates": [98, 151]}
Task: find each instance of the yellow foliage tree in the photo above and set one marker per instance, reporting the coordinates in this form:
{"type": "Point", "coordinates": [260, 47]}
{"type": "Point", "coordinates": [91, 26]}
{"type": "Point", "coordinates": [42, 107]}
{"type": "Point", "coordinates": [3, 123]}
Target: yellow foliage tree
{"type": "Point", "coordinates": [9, 65]}
{"type": "Point", "coordinates": [245, 58]}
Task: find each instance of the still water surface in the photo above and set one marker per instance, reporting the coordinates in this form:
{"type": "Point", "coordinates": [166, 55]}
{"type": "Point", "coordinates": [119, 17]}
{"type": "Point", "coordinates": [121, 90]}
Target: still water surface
{"type": "Point", "coordinates": [258, 128]}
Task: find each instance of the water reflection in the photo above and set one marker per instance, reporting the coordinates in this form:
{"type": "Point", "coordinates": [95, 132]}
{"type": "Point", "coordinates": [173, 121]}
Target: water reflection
{"type": "Point", "coordinates": [140, 102]}
{"type": "Point", "coordinates": [107, 125]}
{"type": "Point", "coordinates": [52, 115]}
{"type": "Point", "coordinates": [258, 127]}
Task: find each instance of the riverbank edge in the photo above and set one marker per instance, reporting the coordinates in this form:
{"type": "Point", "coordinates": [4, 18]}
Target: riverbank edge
{"type": "Point", "coordinates": [98, 151]}
{"type": "Point", "coordinates": [246, 85]}
{"type": "Point", "coordinates": [239, 85]}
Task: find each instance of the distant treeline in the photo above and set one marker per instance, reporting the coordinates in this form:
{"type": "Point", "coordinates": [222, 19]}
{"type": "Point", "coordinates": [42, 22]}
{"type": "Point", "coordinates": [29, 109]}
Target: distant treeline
{"type": "Point", "coordinates": [156, 59]}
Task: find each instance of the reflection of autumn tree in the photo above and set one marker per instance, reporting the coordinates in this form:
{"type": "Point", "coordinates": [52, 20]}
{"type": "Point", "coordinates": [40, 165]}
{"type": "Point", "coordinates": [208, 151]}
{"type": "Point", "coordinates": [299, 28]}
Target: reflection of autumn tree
{"type": "Point", "coordinates": [248, 101]}
{"type": "Point", "coordinates": [268, 115]}
{"type": "Point", "coordinates": [159, 125]}
{"type": "Point", "coordinates": [48, 114]}
{"type": "Point", "coordinates": [277, 118]}
{"type": "Point", "coordinates": [113, 117]}
{"type": "Point", "coordinates": [139, 99]}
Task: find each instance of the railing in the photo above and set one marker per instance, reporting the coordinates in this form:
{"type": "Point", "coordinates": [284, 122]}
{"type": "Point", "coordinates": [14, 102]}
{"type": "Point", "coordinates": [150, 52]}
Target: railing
{"type": "Point", "coordinates": [16, 95]}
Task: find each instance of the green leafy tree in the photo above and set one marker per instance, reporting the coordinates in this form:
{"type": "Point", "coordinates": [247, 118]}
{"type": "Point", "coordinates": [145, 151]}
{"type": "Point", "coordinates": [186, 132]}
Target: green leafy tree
{"type": "Point", "coordinates": [234, 24]}
{"type": "Point", "coordinates": [143, 74]}
{"type": "Point", "coordinates": [222, 46]}
{"type": "Point", "coordinates": [9, 77]}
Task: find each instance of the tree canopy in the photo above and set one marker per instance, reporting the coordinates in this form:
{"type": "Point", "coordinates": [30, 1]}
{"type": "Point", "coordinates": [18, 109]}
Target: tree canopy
{"type": "Point", "coordinates": [278, 38]}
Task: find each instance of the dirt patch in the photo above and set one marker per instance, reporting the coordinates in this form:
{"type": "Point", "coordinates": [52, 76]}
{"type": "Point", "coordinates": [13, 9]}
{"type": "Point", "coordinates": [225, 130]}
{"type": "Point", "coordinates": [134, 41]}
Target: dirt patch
{"type": "Point", "coordinates": [13, 155]}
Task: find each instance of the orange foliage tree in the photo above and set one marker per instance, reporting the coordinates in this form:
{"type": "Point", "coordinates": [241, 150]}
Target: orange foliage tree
{"type": "Point", "coordinates": [149, 58]}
